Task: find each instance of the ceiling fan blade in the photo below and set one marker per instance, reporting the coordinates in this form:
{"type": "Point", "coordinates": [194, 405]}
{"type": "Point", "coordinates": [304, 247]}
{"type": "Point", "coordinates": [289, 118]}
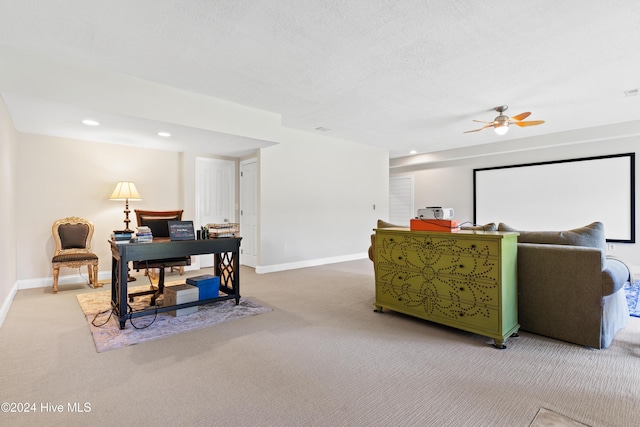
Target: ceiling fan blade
{"type": "Point", "coordinates": [521, 116]}
{"type": "Point", "coordinates": [476, 130]}
{"type": "Point", "coordinates": [529, 123]}
{"type": "Point", "coordinates": [487, 123]}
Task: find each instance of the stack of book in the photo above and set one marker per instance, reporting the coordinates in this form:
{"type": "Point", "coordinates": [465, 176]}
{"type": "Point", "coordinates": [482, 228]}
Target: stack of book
{"type": "Point", "coordinates": [121, 237]}
{"type": "Point", "coordinates": [143, 234]}
{"type": "Point", "coordinates": [228, 229]}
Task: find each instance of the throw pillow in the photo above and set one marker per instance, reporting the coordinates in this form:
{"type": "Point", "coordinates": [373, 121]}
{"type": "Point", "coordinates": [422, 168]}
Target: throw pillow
{"type": "Point", "coordinates": [487, 227]}
{"type": "Point", "coordinates": [384, 224]}
{"type": "Point", "coordinates": [381, 224]}
{"type": "Point", "coordinates": [591, 235]}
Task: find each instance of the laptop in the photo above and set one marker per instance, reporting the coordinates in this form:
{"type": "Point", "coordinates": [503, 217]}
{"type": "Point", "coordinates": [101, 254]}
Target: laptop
{"type": "Point", "coordinates": [181, 230]}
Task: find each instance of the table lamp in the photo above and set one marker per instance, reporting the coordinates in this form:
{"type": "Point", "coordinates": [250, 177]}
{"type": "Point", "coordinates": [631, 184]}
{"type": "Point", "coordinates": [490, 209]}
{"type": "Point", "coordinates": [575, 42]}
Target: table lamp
{"type": "Point", "coordinates": [125, 191]}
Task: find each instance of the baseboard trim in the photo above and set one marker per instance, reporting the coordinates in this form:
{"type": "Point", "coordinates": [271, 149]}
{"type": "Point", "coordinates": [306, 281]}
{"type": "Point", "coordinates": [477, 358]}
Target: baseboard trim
{"type": "Point", "coordinates": [263, 269]}
{"type": "Point", "coordinates": [4, 310]}
{"type": "Point", "coordinates": [47, 282]}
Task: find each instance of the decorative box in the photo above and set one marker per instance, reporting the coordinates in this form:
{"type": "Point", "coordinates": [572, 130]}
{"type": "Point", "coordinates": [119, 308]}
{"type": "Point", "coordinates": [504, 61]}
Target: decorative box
{"type": "Point", "coordinates": [207, 284]}
{"type": "Point", "coordinates": [444, 225]}
{"type": "Point", "coordinates": [180, 294]}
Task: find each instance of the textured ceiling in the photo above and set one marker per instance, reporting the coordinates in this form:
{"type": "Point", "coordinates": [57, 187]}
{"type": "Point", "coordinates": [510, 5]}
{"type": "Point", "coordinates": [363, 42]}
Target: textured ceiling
{"type": "Point", "coordinates": [403, 75]}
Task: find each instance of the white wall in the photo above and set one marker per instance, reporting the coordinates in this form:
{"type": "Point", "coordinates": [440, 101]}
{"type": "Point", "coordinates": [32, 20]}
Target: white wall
{"type": "Point", "coordinates": [448, 180]}
{"type": "Point", "coordinates": [316, 200]}
{"type": "Point", "coordinates": [316, 194]}
{"type": "Point", "coordinates": [8, 215]}
{"type": "Point", "coordinates": [58, 177]}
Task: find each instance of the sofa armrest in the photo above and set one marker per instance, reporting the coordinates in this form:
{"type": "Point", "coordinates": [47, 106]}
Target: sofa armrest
{"type": "Point", "coordinates": [560, 292]}
{"type": "Point", "coordinates": [614, 276]}
{"type": "Point", "coordinates": [560, 275]}
{"type": "Point", "coordinates": [556, 263]}
{"type": "Point", "coordinates": [372, 247]}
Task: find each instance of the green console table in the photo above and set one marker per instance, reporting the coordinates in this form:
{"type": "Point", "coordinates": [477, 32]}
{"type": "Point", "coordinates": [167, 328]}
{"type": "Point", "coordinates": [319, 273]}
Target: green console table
{"type": "Point", "coordinates": [465, 279]}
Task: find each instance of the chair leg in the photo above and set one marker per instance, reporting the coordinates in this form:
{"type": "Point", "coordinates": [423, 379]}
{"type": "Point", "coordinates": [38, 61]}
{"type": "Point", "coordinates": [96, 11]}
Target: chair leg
{"type": "Point", "coordinates": [160, 290]}
{"type": "Point", "coordinates": [179, 269]}
{"type": "Point", "coordinates": [90, 271]}
{"type": "Point", "coordinates": [56, 273]}
{"type": "Point", "coordinates": [93, 275]}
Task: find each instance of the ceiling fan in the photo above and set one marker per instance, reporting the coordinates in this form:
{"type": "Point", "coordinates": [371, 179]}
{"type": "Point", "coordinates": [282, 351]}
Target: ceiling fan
{"type": "Point", "coordinates": [501, 123]}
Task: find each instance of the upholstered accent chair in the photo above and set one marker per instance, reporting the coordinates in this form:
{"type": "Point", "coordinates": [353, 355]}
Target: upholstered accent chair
{"type": "Point", "coordinates": [158, 222]}
{"type": "Point", "coordinates": [73, 237]}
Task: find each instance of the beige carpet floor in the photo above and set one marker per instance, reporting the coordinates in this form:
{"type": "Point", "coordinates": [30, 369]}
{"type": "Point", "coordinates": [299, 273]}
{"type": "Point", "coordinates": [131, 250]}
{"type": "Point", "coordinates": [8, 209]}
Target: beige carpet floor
{"type": "Point", "coordinates": [547, 418]}
{"type": "Point", "coordinates": [321, 357]}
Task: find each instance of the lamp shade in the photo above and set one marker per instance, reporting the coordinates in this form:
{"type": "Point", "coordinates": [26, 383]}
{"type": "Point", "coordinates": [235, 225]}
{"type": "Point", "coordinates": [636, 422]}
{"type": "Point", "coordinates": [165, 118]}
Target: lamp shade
{"type": "Point", "coordinates": [125, 191]}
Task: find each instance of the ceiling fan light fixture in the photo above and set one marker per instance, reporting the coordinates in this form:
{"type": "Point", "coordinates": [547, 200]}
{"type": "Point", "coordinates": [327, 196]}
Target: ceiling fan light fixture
{"type": "Point", "coordinates": [501, 129]}
{"type": "Point", "coordinates": [501, 123]}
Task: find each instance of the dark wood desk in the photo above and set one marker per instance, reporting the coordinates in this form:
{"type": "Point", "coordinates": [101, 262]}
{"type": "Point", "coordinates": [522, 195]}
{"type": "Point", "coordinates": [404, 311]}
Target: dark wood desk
{"type": "Point", "coordinates": [227, 266]}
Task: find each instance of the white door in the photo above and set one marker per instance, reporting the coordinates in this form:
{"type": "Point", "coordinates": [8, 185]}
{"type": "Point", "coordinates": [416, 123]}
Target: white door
{"type": "Point", "coordinates": [215, 195]}
{"type": "Point", "coordinates": [401, 200]}
{"type": "Point", "coordinates": [249, 212]}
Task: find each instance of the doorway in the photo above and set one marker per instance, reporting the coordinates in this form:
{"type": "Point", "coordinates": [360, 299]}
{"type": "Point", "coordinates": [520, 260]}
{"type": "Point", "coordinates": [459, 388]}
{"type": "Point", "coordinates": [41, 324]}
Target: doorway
{"type": "Point", "coordinates": [215, 195]}
{"type": "Point", "coordinates": [249, 212]}
{"type": "Point", "coordinates": [401, 200]}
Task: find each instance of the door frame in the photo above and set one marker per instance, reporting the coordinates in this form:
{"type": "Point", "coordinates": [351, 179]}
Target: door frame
{"type": "Point", "coordinates": [252, 262]}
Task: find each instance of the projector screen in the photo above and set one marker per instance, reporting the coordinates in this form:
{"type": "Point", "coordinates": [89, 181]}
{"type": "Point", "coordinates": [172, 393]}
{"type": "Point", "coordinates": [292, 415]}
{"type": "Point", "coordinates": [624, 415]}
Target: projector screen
{"type": "Point", "coordinates": [560, 195]}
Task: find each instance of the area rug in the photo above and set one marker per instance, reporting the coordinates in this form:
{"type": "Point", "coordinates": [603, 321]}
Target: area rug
{"type": "Point", "coordinates": [107, 334]}
{"type": "Point", "coordinates": [632, 290]}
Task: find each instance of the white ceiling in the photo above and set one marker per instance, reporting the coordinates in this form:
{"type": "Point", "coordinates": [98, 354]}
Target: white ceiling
{"type": "Point", "coordinates": [403, 75]}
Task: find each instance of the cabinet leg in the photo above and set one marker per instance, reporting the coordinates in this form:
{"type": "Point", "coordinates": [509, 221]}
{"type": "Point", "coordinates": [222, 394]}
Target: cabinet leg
{"type": "Point", "coordinates": [378, 309]}
{"type": "Point", "coordinates": [499, 344]}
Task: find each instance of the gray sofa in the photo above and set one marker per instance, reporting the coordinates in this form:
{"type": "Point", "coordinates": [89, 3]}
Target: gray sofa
{"type": "Point", "coordinates": [567, 287]}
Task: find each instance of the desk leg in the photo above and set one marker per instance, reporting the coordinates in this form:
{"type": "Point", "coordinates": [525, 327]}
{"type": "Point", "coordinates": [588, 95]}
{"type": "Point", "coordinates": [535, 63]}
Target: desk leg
{"type": "Point", "coordinates": [124, 273]}
{"type": "Point", "coordinates": [227, 269]}
{"type": "Point", "coordinates": [119, 272]}
{"type": "Point", "coordinates": [236, 275]}
{"type": "Point", "coordinates": [114, 283]}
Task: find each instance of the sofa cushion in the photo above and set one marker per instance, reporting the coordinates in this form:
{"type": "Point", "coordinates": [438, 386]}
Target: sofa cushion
{"type": "Point", "coordinates": [381, 224]}
{"type": "Point", "coordinates": [487, 227]}
{"type": "Point", "coordinates": [591, 236]}
{"type": "Point", "coordinates": [385, 224]}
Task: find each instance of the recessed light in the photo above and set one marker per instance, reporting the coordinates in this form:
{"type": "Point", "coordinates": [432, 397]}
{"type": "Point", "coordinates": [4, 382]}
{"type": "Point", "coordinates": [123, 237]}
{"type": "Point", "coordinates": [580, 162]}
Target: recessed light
{"type": "Point", "coordinates": [164, 134]}
{"type": "Point", "coordinates": [90, 122]}
{"type": "Point", "coordinates": [413, 152]}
